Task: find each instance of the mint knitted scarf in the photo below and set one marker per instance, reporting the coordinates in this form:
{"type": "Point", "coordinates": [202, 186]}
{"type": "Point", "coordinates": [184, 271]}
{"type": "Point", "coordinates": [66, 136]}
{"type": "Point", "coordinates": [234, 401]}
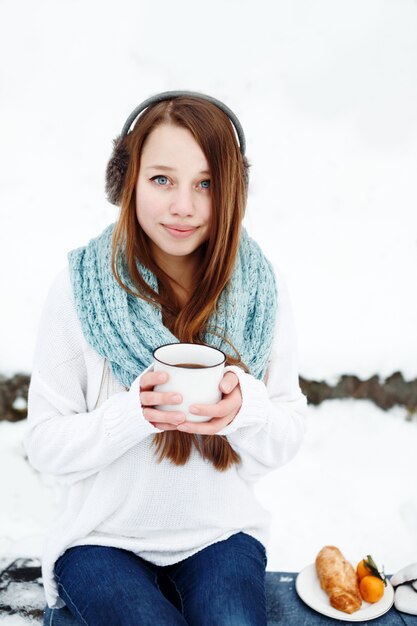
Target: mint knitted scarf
{"type": "Point", "coordinates": [126, 329]}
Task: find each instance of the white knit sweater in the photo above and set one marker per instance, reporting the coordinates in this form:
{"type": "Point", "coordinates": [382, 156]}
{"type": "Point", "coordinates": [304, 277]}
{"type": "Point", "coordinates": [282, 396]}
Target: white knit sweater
{"type": "Point", "coordinates": [88, 431]}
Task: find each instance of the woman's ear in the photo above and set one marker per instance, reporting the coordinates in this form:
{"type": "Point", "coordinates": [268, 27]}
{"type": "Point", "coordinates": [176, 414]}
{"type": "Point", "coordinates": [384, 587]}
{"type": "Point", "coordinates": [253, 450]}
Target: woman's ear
{"type": "Point", "coordinates": [116, 171]}
{"type": "Point", "coordinates": [246, 166]}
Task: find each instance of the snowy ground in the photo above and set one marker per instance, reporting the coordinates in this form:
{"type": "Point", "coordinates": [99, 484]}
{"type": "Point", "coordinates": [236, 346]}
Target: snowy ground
{"type": "Point", "coordinates": [13, 620]}
{"type": "Point", "coordinates": [352, 485]}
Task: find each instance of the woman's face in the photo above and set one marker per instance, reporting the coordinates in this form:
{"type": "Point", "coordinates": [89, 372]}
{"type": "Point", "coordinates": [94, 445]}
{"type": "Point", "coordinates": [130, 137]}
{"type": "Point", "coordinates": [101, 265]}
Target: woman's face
{"type": "Point", "coordinates": [173, 196]}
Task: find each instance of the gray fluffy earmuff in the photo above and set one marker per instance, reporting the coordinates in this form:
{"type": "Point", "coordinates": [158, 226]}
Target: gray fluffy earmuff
{"type": "Point", "coordinates": [119, 160]}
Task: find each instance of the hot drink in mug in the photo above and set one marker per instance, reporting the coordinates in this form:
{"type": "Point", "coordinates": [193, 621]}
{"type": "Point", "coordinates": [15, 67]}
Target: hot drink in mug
{"type": "Point", "coordinates": [195, 371]}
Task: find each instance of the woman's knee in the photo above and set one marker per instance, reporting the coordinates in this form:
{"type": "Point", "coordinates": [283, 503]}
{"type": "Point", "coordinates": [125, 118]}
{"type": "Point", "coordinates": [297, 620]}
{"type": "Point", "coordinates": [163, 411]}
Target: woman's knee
{"type": "Point", "coordinates": [107, 586]}
{"type": "Point", "coordinates": [224, 584]}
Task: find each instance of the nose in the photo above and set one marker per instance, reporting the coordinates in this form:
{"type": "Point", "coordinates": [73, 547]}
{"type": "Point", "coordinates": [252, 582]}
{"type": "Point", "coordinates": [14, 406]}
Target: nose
{"type": "Point", "coordinates": [182, 202]}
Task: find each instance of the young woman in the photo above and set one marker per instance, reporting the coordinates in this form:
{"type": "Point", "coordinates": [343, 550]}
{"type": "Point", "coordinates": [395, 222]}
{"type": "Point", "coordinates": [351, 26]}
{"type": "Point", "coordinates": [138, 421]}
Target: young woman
{"type": "Point", "coordinates": [159, 522]}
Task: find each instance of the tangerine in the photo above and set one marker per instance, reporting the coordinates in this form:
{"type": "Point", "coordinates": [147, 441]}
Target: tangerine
{"type": "Point", "coordinates": [362, 570]}
{"type": "Point", "coordinates": [371, 588]}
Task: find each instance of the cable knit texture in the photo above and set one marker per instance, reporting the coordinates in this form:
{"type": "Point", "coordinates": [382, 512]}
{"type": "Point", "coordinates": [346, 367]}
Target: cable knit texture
{"type": "Point", "coordinates": [126, 329]}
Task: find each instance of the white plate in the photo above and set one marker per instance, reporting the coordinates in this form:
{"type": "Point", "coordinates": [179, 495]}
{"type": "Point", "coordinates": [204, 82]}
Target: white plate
{"type": "Point", "coordinates": [308, 588]}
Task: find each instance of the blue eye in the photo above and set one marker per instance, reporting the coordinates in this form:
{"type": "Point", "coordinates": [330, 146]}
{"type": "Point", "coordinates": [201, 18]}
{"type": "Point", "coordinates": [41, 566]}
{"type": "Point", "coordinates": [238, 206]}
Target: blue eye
{"type": "Point", "coordinates": [206, 184]}
{"type": "Point", "coordinates": [156, 178]}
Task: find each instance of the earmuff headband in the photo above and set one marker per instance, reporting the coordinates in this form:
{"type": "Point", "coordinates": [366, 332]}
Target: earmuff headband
{"type": "Point", "coordinates": [168, 95]}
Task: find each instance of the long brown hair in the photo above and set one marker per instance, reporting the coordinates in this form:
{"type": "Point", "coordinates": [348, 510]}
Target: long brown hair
{"type": "Point", "coordinates": [213, 131]}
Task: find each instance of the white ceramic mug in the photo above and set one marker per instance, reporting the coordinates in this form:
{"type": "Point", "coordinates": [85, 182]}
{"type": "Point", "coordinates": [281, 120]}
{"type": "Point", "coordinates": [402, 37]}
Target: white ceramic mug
{"type": "Point", "coordinates": [197, 385]}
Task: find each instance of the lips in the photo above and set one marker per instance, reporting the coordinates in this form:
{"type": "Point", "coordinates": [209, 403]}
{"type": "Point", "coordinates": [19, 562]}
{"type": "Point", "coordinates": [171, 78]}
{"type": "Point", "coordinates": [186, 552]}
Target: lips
{"type": "Point", "coordinates": [180, 227]}
{"type": "Point", "coordinates": [180, 231]}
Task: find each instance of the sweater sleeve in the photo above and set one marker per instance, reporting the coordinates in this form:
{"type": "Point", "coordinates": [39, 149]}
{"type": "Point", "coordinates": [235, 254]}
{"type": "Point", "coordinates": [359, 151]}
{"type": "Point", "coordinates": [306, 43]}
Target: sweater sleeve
{"type": "Point", "coordinates": [269, 427]}
{"type": "Point", "coordinates": [63, 437]}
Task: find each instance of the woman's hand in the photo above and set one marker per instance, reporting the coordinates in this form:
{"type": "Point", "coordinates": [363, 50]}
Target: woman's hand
{"type": "Point", "coordinates": [164, 420]}
{"type": "Point", "coordinates": [221, 413]}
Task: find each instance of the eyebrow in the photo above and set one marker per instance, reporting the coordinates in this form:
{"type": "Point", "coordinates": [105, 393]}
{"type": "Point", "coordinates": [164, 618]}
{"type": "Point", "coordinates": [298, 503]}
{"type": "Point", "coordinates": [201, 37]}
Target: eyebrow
{"type": "Point", "coordinates": [166, 168]}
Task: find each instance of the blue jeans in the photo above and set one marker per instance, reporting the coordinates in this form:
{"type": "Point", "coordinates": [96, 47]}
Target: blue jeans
{"type": "Point", "coordinates": [222, 585]}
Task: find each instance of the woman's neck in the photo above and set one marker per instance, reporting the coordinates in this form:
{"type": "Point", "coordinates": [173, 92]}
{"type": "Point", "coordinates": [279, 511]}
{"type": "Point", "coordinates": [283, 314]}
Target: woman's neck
{"type": "Point", "coordinates": [181, 271]}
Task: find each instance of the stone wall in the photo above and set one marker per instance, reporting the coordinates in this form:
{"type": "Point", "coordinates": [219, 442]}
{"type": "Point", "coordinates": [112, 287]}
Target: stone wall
{"type": "Point", "coordinates": [13, 397]}
{"type": "Point", "coordinates": [394, 390]}
{"type": "Point", "coordinates": [385, 394]}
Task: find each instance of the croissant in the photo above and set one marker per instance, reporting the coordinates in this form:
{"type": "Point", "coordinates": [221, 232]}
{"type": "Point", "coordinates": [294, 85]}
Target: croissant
{"type": "Point", "coordinates": [338, 579]}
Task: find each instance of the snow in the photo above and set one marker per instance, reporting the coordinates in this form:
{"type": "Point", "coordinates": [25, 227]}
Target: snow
{"type": "Point", "coordinates": [16, 620]}
{"type": "Point", "coordinates": [22, 595]}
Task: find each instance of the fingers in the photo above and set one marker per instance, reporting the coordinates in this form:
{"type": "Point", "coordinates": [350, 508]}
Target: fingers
{"type": "Point", "coordinates": [149, 397]}
{"type": "Point", "coordinates": [153, 398]}
{"type": "Point", "coordinates": [229, 404]}
{"type": "Point", "coordinates": [164, 417]}
{"type": "Point", "coordinates": [222, 414]}
{"type": "Point", "coordinates": [205, 428]}
{"type": "Point", "coordinates": [164, 420]}
{"type": "Point", "coordinates": [229, 382]}
{"type": "Point", "coordinates": [150, 379]}
{"type": "Point", "coordinates": [162, 426]}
